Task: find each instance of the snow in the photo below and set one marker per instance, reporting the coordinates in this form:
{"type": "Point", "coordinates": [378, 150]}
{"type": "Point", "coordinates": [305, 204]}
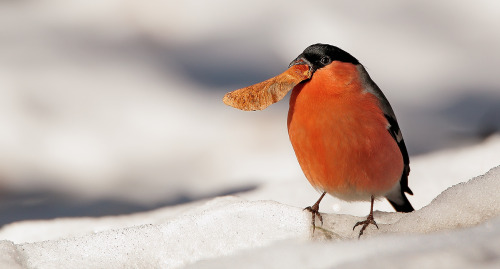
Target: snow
{"type": "Point", "coordinates": [476, 247]}
{"type": "Point", "coordinates": [218, 228]}
{"type": "Point", "coordinates": [116, 150]}
{"type": "Point", "coordinates": [210, 232]}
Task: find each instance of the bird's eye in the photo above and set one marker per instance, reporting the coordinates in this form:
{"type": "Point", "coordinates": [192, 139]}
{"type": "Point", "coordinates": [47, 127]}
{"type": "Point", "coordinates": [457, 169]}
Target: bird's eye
{"type": "Point", "coordinates": [325, 60]}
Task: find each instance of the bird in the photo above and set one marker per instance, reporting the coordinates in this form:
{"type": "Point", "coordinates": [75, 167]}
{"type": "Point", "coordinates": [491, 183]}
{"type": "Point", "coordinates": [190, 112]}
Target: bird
{"type": "Point", "coordinates": [342, 128]}
{"type": "Point", "coordinates": [345, 134]}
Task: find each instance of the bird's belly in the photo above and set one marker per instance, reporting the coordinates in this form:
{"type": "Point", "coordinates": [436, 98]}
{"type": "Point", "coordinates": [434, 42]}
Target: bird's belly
{"type": "Point", "coordinates": [350, 155]}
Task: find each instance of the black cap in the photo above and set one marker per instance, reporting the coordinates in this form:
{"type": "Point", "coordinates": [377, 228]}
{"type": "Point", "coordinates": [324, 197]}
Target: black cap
{"type": "Point", "coordinates": [321, 55]}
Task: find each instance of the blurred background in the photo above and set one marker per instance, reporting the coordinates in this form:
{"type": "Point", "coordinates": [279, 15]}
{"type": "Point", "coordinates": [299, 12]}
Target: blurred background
{"type": "Point", "coordinates": [114, 106]}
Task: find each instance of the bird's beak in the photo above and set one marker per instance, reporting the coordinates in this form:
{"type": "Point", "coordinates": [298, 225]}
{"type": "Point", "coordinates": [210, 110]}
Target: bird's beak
{"type": "Point", "coordinates": [266, 93]}
{"type": "Point", "coordinates": [299, 61]}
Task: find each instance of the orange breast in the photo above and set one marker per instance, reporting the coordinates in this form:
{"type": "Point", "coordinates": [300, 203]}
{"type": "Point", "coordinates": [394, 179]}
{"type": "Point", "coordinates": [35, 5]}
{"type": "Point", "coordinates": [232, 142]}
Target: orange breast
{"type": "Point", "coordinates": [340, 137]}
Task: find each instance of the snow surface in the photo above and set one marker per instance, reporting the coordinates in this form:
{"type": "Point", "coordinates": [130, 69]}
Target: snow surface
{"type": "Point", "coordinates": [206, 234]}
{"type": "Point", "coordinates": [116, 150]}
{"type": "Point", "coordinates": [227, 225]}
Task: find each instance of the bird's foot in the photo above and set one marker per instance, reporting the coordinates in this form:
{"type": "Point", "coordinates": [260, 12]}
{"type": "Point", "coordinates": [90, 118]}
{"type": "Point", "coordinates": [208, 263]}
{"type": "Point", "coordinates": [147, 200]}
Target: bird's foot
{"type": "Point", "coordinates": [369, 220]}
{"type": "Point", "coordinates": [314, 211]}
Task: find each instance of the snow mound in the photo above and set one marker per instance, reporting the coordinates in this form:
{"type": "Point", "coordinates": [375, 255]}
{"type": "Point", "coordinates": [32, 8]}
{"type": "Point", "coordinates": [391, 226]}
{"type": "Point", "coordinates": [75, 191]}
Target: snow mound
{"type": "Point", "coordinates": [462, 205]}
{"type": "Point", "coordinates": [477, 247]}
{"type": "Point", "coordinates": [228, 225]}
{"type": "Point", "coordinates": [219, 227]}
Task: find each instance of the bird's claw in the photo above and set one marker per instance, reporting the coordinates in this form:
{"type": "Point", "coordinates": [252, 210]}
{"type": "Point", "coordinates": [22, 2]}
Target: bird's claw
{"type": "Point", "coordinates": [314, 211]}
{"type": "Point", "coordinates": [369, 220]}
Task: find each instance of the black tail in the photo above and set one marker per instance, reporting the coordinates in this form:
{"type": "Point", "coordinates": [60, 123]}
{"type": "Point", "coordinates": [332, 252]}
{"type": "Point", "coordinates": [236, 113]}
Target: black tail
{"type": "Point", "coordinates": [405, 206]}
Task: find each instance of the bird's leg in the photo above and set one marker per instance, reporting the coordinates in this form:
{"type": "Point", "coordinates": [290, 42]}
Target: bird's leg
{"type": "Point", "coordinates": [315, 211]}
{"type": "Point", "coordinates": [369, 220]}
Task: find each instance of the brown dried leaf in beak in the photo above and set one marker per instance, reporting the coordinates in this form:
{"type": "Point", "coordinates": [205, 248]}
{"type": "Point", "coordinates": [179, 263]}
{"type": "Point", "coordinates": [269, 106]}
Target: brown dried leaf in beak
{"type": "Point", "coordinates": [266, 93]}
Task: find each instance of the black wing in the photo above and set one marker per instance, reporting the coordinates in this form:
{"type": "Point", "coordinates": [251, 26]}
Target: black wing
{"type": "Point", "coordinates": [398, 200]}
